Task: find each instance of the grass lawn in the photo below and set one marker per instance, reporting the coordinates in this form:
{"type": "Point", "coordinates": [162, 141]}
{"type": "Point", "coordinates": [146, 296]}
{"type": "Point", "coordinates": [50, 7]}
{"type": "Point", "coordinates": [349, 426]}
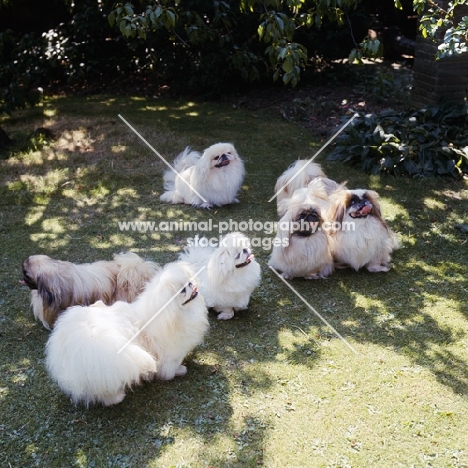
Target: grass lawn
{"type": "Point", "coordinates": [274, 386]}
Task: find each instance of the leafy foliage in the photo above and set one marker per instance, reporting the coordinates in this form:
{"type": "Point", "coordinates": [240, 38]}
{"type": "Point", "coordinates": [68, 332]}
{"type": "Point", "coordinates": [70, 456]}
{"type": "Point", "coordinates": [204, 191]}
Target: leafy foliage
{"type": "Point", "coordinates": [425, 143]}
{"type": "Point", "coordinates": [268, 29]}
{"type": "Point", "coordinates": [436, 20]}
{"type": "Point", "coordinates": [20, 72]}
{"type": "Point", "coordinates": [68, 54]}
{"type": "Point", "coordinates": [437, 23]}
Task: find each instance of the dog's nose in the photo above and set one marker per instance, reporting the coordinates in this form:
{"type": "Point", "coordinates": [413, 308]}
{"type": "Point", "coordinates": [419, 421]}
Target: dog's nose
{"type": "Point", "coordinates": [364, 203]}
{"type": "Point", "coordinates": [223, 160]}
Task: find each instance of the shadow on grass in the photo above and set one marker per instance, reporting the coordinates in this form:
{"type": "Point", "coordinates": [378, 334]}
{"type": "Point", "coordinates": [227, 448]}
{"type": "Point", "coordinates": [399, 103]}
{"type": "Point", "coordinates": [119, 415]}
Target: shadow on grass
{"type": "Point", "coordinates": [419, 308]}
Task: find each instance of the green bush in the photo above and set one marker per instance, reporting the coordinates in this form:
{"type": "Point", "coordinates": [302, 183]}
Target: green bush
{"type": "Point", "coordinates": [81, 51]}
{"type": "Point", "coordinates": [20, 71]}
{"type": "Point", "coordinates": [424, 143]}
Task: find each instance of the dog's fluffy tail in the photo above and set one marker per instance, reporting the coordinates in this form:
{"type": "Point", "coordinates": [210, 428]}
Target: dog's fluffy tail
{"type": "Point", "coordinates": [91, 358]}
{"type": "Point", "coordinates": [185, 159]}
{"type": "Point", "coordinates": [134, 273]}
{"type": "Point", "coordinates": [196, 255]}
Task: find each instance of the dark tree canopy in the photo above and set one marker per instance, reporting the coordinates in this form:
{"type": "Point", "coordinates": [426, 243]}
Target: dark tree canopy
{"type": "Point", "coordinates": [196, 46]}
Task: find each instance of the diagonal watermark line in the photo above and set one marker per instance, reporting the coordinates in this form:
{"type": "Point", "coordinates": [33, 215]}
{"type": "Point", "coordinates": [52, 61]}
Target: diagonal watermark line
{"type": "Point", "coordinates": [315, 312]}
{"type": "Point", "coordinates": [160, 310]}
{"type": "Point", "coordinates": [169, 165]}
{"type": "Point", "coordinates": [313, 157]}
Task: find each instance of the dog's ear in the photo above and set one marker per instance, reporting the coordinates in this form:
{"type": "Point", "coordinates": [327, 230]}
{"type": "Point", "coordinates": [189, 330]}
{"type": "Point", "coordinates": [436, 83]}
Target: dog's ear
{"type": "Point", "coordinates": [51, 301]}
{"type": "Point", "coordinates": [220, 265]}
{"type": "Point", "coordinates": [282, 206]}
{"type": "Point", "coordinates": [204, 165]}
{"type": "Point", "coordinates": [48, 296]}
{"type": "Point", "coordinates": [373, 197]}
{"type": "Point", "coordinates": [284, 227]}
{"type": "Point", "coordinates": [338, 205]}
{"type": "Point", "coordinates": [57, 291]}
{"type": "Point", "coordinates": [282, 182]}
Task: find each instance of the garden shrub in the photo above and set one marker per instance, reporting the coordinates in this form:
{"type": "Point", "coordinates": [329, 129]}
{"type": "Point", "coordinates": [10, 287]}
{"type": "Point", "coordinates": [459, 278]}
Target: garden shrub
{"type": "Point", "coordinates": [421, 143]}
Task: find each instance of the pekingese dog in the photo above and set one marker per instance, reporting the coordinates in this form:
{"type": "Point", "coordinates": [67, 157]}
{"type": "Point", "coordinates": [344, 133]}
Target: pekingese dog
{"type": "Point", "coordinates": [361, 237]}
{"type": "Point", "coordinates": [95, 353]}
{"type": "Point", "coordinates": [56, 285]}
{"type": "Point", "coordinates": [231, 273]}
{"type": "Point", "coordinates": [302, 247]}
{"type": "Point", "coordinates": [296, 176]}
{"type": "Point", "coordinates": [205, 180]}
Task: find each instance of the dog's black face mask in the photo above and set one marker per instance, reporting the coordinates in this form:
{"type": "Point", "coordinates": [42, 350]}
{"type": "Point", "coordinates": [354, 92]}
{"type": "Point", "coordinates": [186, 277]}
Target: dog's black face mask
{"type": "Point", "coordinates": [223, 160]}
{"type": "Point", "coordinates": [360, 207]}
{"type": "Point", "coordinates": [308, 220]}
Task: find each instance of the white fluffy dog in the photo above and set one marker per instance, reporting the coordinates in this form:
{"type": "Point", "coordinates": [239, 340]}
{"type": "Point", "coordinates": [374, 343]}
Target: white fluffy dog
{"type": "Point", "coordinates": [56, 285]}
{"type": "Point", "coordinates": [95, 353]}
{"type": "Point", "coordinates": [231, 273]}
{"type": "Point", "coordinates": [303, 246]}
{"type": "Point", "coordinates": [362, 237]}
{"type": "Point", "coordinates": [205, 180]}
{"type": "Point", "coordinates": [296, 176]}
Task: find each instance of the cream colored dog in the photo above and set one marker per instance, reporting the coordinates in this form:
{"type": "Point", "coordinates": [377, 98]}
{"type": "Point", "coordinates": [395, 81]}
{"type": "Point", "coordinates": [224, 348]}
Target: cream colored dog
{"type": "Point", "coordinates": [230, 275]}
{"type": "Point", "coordinates": [96, 353]}
{"type": "Point", "coordinates": [303, 246]}
{"type": "Point", "coordinates": [205, 180]}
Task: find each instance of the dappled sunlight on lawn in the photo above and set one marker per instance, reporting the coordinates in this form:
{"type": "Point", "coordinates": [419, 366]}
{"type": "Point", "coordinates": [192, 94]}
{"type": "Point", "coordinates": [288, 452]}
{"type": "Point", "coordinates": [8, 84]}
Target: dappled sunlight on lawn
{"type": "Point", "coordinates": [275, 385]}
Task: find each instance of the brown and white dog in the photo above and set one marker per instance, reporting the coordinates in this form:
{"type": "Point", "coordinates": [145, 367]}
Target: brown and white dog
{"type": "Point", "coordinates": [361, 237]}
{"type": "Point", "coordinates": [56, 285]}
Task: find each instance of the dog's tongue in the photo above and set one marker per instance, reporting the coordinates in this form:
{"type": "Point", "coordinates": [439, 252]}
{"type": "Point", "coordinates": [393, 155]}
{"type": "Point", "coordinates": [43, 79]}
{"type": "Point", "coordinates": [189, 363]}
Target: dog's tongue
{"type": "Point", "coordinates": [247, 261]}
{"type": "Point", "coordinates": [366, 209]}
{"type": "Point", "coordinates": [22, 282]}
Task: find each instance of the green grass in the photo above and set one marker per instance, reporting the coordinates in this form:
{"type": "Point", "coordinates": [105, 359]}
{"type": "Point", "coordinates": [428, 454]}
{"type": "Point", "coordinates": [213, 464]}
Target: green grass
{"type": "Point", "coordinates": [275, 386]}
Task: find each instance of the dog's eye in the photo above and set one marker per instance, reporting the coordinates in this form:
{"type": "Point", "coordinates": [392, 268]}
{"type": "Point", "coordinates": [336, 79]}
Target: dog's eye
{"type": "Point", "coordinates": [216, 158]}
{"type": "Point", "coordinates": [237, 256]}
{"type": "Point", "coordinates": [183, 291]}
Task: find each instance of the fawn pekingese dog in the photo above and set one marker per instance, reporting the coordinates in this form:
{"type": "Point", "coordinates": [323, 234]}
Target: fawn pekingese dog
{"type": "Point", "coordinates": [361, 237]}
{"type": "Point", "coordinates": [205, 180]}
{"type": "Point", "coordinates": [95, 353]}
{"type": "Point", "coordinates": [56, 285]}
{"type": "Point", "coordinates": [303, 246]}
{"type": "Point", "coordinates": [231, 273]}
